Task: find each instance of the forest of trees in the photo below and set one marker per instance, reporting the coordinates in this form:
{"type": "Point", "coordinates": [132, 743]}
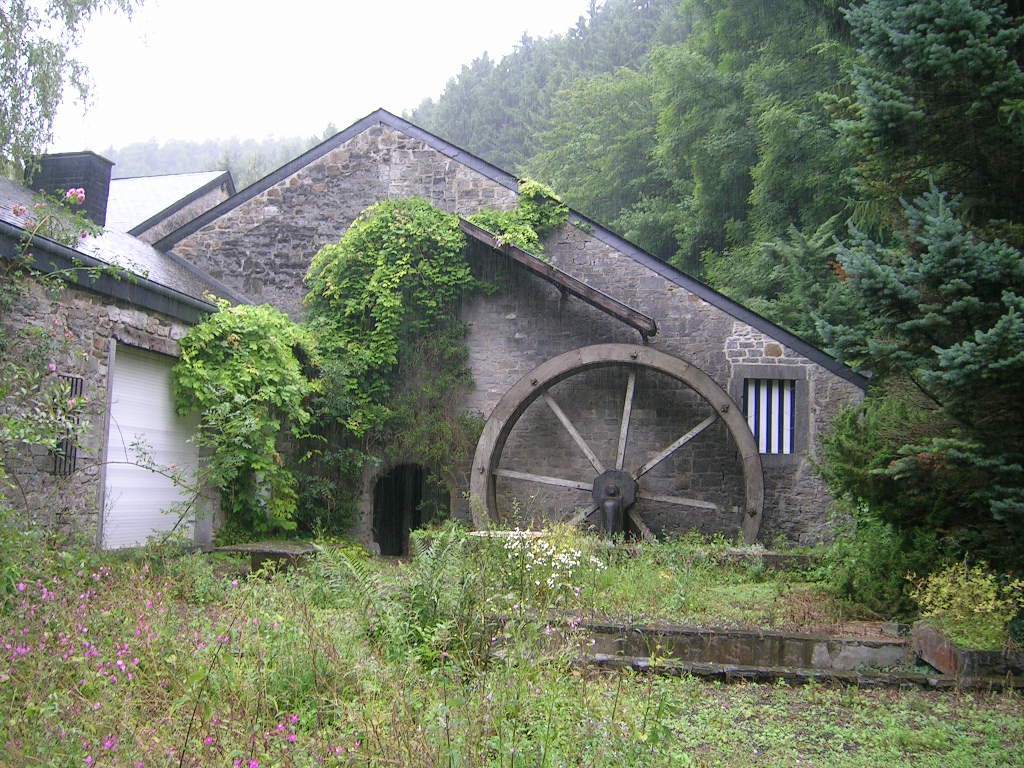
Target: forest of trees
{"type": "Point", "coordinates": [851, 169]}
{"type": "Point", "coordinates": [247, 159]}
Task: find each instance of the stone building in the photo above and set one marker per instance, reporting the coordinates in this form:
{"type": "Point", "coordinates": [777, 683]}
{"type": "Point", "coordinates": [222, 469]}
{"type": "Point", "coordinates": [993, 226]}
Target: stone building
{"type": "Point", "coordinates": [600, 364]}
{"type": "Point", "coordinates": [605, 378]}
{"type": "Point", "coordinates": [112, 336]}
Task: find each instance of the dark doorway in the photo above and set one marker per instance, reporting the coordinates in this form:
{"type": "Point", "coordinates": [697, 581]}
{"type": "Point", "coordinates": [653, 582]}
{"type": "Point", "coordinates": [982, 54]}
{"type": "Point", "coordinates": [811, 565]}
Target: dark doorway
{"type": "Point", "coordinates": [404, 499]}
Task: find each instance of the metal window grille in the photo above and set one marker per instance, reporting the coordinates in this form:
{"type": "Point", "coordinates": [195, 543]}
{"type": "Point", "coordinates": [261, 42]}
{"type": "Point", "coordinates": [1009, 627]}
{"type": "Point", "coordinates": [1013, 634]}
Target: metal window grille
{"type": "Point", "coordinates": [769, 405]}
{"type": "Point", "coordinates": [65, 455]}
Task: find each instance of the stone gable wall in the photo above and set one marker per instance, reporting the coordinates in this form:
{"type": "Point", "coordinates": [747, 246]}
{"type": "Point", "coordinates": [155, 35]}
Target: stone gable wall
{"type": "Point", "coordinates": [263, 248]}
{"type": "Point", "coordinates": [181, 217]}
{"type": "Point", "coordinates": [92, 324]}
{"type": "Point", "coordinates": [529, 321]}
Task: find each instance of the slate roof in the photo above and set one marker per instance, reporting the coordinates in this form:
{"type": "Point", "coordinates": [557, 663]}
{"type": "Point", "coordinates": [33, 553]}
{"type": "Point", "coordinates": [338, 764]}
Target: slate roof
{"type": "Point", "coordinates": [505, 179]}
{"type": "Point", "coordinates": [159, 281]}
{"type": "Point", "coordinates": [136, 203]}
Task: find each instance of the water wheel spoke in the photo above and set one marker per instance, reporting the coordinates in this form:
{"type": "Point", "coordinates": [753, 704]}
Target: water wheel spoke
{"type": "Point", "coordinates": [660, 457]}
{"type": "Point", "coordinates": [627, 413]}
{"type": "Point", "coordinates": [640, 525]}
{"type": "Point", "coordinates": [581, 514]}
{"type": "Point", "coordinates": [681, 501]}
{"type": "Point", "coordinates": [544, 479]}
{"type": "Point", "coordinates": [574, 433]}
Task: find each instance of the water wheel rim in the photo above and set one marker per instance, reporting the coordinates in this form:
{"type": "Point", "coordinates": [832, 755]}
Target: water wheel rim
{"type": "Point", "coordinates": [537, 382]}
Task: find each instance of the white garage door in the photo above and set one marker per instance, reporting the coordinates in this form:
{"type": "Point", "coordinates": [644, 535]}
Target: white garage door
{"type": "Point", "coordinates": [143, 425]}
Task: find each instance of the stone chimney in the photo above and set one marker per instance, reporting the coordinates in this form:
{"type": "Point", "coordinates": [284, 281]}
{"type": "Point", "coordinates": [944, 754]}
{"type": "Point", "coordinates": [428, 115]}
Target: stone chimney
{"type": "Point", "coordinates": [55, 174]}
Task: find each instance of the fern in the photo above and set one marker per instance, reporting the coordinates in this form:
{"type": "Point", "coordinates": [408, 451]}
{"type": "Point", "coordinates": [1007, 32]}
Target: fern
{"type": "Point", "coordinates": [434, 614]}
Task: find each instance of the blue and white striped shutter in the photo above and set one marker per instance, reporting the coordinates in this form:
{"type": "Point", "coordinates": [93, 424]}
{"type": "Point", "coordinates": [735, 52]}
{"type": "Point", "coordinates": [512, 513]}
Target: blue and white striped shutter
{"type": "Point", "coordinates": [769, 407]}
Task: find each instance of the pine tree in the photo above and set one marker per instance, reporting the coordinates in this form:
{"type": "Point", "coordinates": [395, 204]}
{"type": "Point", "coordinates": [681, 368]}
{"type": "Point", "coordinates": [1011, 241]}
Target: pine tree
{"type": "Point", "coordinates": [940, 444]}
{"type": "Point", "coordinates": [939, 95]}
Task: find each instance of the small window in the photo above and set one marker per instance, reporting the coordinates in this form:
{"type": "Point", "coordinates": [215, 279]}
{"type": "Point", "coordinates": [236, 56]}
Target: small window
{"type": "Point", "coordinates": [65, 455]}
{"type": "Point", "coordinates": [769, 405]}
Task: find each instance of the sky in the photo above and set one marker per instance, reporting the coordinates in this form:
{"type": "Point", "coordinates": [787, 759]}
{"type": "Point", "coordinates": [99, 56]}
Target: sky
{"type": "Point", "coordinates": [210, 69]}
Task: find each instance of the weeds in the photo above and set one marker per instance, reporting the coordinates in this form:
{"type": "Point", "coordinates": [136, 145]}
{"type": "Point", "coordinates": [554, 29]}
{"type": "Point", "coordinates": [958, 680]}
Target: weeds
{"type": "Point", "coordinates": [185, 661]}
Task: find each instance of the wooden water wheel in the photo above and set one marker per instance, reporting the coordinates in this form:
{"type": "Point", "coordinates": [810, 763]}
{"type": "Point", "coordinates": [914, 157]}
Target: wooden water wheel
{"type": "Point", "coordinates": [656, 429]}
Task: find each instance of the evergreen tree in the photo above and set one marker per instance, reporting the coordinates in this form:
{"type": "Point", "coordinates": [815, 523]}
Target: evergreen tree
{"type": "Point", "coordinates": [938, 289]}
{"type": "Point", "coordinates": [939, 95]}
{"type": "Point", "coordinates": [940, 322]}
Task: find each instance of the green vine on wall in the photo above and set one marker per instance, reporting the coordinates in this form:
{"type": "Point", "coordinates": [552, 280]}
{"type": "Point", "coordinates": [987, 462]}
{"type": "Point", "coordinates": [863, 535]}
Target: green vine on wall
{"type": "Point", "coordinates": [537, 214]}
{"type": "Point", "coordinates": [396, 276]}
{"type": "Point", "coordinates": [384, 306]}
{"type": "Point", "coordinates": [248, 371]}
{"type": "Point", "coordinates": [391, 363]}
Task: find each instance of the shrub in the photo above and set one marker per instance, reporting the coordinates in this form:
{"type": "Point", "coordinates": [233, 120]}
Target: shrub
{"type": "Point", "coordinates": [866, 565]}
{"type": "Point", "coordinates": [971, 604]}
{"type": "Point", "coordinates": [245, 369]}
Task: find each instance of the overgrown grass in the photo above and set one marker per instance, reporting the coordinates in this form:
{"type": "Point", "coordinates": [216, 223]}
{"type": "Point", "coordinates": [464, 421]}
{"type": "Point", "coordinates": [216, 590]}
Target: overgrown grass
{"type": "Point", "coordinates": [162, 659]}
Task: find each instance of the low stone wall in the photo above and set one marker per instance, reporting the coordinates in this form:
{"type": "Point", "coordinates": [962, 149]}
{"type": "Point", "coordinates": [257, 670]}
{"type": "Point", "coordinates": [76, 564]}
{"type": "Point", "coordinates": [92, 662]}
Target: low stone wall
{"type": "Point", "coordinates": [967, 665]}
{"type": "Point", "coordinates": [747, 648]}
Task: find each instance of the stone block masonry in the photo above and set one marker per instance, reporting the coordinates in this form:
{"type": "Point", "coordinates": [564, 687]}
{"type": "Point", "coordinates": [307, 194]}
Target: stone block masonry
{"type": "Point", "coordinates": [262, 248]}
{"type": "Point", "coordinates": [528, 321]}
{"type": "Point", "coordinates": [71, 504]}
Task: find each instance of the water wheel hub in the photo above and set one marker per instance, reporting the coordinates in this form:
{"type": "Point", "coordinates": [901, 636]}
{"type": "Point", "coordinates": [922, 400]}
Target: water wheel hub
{"type": "Point", "coordinates": [614, 492]}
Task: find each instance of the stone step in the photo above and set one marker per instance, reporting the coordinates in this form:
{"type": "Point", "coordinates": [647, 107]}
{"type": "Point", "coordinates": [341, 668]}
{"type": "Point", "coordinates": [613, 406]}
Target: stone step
{"type": "Point", "coordinates": [796, 675]}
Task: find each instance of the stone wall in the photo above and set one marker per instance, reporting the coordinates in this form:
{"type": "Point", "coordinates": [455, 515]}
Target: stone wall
{"type": "Point", "coordinates": [91, 325]}
{"type": "Point", "coordinates": [263, 247]}
{"type": "Point", "coordinates": [529, 321]}
{"type": "Point", "coordinates": [185, 214]}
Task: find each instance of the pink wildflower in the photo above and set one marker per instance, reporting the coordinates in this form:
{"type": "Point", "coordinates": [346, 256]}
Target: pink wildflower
{"type": "Point", "coordinates": [52, 367]}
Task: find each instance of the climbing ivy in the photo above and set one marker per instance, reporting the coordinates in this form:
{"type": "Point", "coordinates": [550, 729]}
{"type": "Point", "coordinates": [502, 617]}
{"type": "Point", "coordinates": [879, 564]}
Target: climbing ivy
{"type": "Point", "coordinates": [247, 370]}
{"type": "Point", "coordinates": [383, 304]}
{"type": "Point", "coordinates": [385, 344]}
{"type": "Point", "coordinates": [394, 278]}
{"type": "Point", "coordinates": [538, 213]}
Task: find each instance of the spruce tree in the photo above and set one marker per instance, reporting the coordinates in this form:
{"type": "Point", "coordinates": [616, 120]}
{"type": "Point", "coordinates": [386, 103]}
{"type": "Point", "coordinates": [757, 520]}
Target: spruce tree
{"type": "Point", "coordinates": [939, 320]}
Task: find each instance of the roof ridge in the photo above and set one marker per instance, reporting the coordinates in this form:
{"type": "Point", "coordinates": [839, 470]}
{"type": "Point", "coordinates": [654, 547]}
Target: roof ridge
{"type": "Point", "coordinates": [165, 175]}
{"type": "Point", "coordinates": [494, 173]}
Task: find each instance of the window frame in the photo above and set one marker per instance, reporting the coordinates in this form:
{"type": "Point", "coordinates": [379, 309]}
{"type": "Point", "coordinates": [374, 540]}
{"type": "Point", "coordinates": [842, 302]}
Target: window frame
{"type": "Point", "coordinates": [65, 453]}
